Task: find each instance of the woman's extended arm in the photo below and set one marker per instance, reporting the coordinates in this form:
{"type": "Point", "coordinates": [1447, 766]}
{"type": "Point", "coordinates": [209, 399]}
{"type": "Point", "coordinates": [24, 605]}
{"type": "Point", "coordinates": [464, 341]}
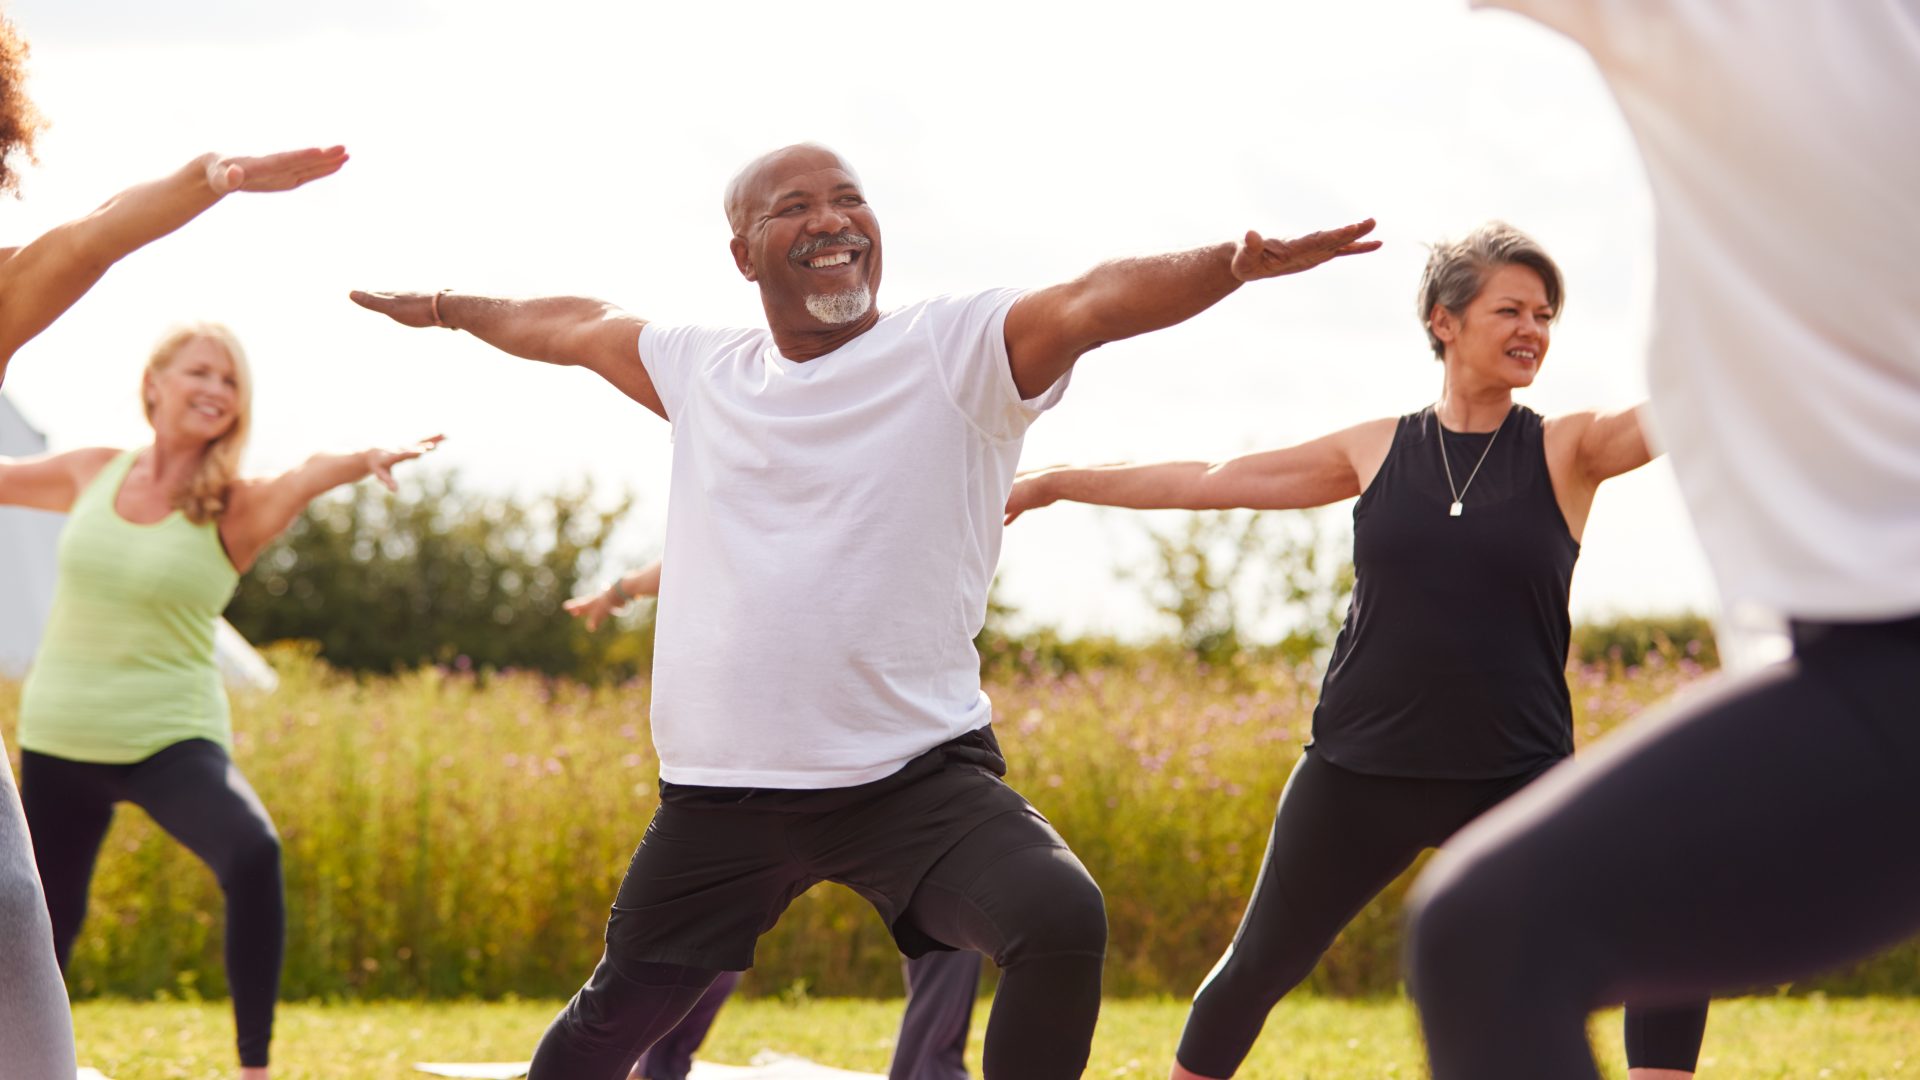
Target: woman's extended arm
{"type": "Point", "coordinates": [50, 481]}
{"type": "Point", "coordinates": [262, 509]}
{"type": "Point", "coordinates": [1612, 443]}
{"type": "Point", "coordinates": [1585, 449]}
{"type": "Point", "coordinates": [40, 281]}
{"type": "Point", "coordinates": [1328, 469]}
{"type": "Point", "coordinates": [626, 588]}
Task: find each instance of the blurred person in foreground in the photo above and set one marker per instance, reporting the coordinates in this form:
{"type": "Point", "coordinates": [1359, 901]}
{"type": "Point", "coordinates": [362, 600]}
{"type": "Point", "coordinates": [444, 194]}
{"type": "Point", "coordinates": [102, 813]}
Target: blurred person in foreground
{"type": "Point", "coordinates": [1774, 816]}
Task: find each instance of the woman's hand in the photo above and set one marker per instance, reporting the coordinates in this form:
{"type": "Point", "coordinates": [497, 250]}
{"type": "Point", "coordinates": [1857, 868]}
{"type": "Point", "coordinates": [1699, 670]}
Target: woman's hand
{"type": "Point", "coordinates": [273, 172]}
{"type": "Point", "coordinates": [1030, 492]}
{"type": "Point", "coordinates": [260, 510]}
{"type": "Point", "coordinates": [380, 461]}
{"type": "Point", "coordinates": [595, 609]}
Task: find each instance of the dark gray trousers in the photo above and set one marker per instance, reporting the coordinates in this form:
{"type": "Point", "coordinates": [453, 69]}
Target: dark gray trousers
{"type": "Point", "coordinates": [932, 1043]}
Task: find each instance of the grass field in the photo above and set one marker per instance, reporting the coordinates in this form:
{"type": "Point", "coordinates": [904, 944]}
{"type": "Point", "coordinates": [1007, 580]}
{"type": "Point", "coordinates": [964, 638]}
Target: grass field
{"type": "Point", "coordinates": [452, 837]}
{"type": "Point", "coordinates": [1317, 1038]}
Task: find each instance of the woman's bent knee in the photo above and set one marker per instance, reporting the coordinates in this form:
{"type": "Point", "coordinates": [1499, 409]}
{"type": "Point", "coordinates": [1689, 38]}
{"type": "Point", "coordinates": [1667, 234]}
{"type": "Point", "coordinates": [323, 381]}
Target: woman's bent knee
{"type": "Point", "coordinates": [254, 861]}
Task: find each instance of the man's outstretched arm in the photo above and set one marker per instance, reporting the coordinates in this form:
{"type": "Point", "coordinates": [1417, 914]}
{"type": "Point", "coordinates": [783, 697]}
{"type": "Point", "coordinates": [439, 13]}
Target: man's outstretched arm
{"type": "Point", "coordinates": [571, 331]}
{"type": "Point", "coordinates": [1049, 329]}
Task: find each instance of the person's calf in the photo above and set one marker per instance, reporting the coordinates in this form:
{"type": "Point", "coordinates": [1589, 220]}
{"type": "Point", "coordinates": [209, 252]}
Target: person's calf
{"type": "Point", "coordinates": [624, 1009]}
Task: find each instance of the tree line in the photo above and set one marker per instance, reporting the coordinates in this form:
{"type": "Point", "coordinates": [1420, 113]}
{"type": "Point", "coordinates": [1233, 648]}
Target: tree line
{"type": "Point", "coordinates": [441, 573]}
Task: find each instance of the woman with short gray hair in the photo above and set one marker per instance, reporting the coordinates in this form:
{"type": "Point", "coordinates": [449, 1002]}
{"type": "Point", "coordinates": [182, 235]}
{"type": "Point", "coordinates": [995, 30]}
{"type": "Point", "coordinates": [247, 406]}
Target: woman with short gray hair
{"type": "Point", "coordinates": [1446, 691]}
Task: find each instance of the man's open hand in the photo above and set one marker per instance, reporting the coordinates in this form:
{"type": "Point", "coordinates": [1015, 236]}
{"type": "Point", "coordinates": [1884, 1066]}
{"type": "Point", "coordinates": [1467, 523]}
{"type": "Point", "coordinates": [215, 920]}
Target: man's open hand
{"type": "Point", "coordinates": [405, 308]}
{"type": "Point", "coordinates": [1257, 258]}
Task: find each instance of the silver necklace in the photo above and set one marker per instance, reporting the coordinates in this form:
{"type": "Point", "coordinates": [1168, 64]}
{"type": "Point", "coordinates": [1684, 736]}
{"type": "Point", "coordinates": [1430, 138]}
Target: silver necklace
{"type": "Point", "coordinates": [1461, 493]}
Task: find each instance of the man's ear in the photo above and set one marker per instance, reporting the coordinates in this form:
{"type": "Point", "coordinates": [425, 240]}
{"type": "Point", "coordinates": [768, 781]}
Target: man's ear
{"type": "Point", "coordinates": [742, 257]}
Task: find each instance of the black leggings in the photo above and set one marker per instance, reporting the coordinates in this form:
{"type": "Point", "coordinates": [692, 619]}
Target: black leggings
{"type": "Point", "coordinates": [1339, 837]}
{"type": "Point", "coordinates": [1009, 889]}
{"type": "Point", "coordinates": [1775, 818]}
{"type": "Point", "coordinates": [193, 791]}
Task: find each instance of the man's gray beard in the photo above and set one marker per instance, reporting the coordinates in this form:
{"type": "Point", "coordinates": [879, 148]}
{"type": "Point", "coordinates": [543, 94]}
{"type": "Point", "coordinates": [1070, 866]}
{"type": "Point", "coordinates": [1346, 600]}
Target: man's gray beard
{"type": "Point", "coordinates": [837, 309]}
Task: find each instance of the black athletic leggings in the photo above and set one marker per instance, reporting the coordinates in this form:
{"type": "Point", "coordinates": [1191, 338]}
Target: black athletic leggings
{"type": "Point", "coordinates": [1008, 889]}
{"type": "Point", "coordinates": [1339, 837]}
{"type": "Point", "coordinates": [1773, 821]}
{"type": "Point", "coordinates": [193, 791]}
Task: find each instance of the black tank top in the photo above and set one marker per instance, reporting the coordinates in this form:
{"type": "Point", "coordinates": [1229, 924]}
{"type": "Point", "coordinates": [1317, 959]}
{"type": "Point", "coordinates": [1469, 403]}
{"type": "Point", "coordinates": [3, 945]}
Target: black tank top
{"type": "Point", "coordinates": [1452, 662]}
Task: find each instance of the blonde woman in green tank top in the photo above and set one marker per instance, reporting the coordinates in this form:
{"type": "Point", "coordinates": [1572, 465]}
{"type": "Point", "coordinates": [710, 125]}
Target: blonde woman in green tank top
{"type": "Point", "coordinates": [124, 703]}
{"type": "Point", "coordinates": [38, 283]}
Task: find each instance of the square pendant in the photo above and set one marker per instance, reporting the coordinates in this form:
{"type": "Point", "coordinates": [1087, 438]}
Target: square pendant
{"type": "Point", "coordinates": [1454, 510]}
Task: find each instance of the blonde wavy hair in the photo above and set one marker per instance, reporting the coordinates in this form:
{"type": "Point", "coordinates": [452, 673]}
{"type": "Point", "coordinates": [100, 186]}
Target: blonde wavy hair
{"type": "Point", "coordinates": [204, 497]}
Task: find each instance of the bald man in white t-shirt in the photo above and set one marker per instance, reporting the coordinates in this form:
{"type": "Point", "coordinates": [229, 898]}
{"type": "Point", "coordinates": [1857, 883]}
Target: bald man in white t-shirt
{"type": "Point", "coordinates": [838, 485]}
{"type": "Point", "coordinates": [1765, 832]}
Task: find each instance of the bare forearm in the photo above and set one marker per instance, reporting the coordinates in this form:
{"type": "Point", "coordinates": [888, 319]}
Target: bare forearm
{"type": "Point", "coordinates": [642, 582]}
{"type": "Point", "coordinates": [552, 330]}
{"type": "Point", "coordinates": [45, 278]}
{"type": "Point", "coordinates": [1128, 297]}
{"type": "Point", "coordinates": [146, 212]}
{"type": "Point", "coordinates": [322, 473]}
{"type": "Point", "coordinates": [1050, 329]}
{"type": "Point", "coordinates": [572, 331]}
{"type": "Point", "coordinates": [1169, 485]}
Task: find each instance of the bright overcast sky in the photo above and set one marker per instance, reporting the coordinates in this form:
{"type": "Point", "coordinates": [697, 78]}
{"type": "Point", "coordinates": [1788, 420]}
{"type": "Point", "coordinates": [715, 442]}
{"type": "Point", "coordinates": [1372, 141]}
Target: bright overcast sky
{"type": "Point", "coordinates": [573, 147]}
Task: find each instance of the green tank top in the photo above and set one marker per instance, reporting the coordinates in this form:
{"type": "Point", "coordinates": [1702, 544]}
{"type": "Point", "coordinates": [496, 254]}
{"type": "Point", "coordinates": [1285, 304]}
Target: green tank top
{"type": "Point", "coordinates": [126, 666]}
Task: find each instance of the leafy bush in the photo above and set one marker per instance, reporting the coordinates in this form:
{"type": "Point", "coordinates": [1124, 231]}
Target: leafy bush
{"type": "Point", "coordinates": [438, 574]}
{"type": "Point", "coordinates": [1628, 641]}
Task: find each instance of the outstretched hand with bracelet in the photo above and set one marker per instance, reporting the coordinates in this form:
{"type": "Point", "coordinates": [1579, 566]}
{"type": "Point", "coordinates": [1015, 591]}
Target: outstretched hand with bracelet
{"type": "Point", "coordinates": [620, 592]}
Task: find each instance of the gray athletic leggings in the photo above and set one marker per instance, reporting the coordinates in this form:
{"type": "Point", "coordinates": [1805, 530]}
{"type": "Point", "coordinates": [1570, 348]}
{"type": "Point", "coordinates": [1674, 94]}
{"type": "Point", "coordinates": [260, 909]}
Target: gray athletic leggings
{"type": "Point", "coordinates": [1753, 836]}
{"type": "Point", "coordinates": [932, 1044]}
{"type": "Point", "coordinates": [36, 1028]}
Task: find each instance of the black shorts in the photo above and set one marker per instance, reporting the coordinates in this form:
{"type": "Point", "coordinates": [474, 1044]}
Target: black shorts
{"type": "Point", "coordinates": [718, 866]}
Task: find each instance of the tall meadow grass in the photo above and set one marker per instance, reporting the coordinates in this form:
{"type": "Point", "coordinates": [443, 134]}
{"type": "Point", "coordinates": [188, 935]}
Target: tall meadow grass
{"type": "Point", "coordinates": [449, 834]}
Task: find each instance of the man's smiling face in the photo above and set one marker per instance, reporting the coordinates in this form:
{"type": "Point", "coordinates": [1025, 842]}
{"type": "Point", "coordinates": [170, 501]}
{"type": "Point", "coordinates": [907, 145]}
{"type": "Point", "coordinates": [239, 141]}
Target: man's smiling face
{"type": "Point", "coordinates": [804, 233]}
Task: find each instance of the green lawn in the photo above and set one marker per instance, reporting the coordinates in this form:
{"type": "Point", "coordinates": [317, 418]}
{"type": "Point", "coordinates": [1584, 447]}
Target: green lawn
{"type": "Point", "coordinates": [1322, 1039]}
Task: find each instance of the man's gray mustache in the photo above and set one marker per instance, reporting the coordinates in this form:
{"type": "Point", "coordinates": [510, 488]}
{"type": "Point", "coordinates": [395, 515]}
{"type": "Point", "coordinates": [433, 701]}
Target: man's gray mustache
{"type": "Point", "coordinates": [806, 248]}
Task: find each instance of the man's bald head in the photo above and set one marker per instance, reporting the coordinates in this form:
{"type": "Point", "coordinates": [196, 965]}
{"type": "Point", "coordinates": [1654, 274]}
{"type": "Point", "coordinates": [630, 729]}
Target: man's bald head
{"type": "Point", "coordinates": [748, 190]}
{"type": "Point", "coordinates": [803, 233]}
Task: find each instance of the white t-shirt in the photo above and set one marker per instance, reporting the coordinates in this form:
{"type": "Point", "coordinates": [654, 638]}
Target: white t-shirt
{"type": "Point", "coordinates": [831, 532]}
{"type": "Point", "coordinates": [1782, 140]}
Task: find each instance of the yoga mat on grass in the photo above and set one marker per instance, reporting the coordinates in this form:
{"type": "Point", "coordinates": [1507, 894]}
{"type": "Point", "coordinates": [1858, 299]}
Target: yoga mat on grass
{"type": "Point", "coordinates": [766, 1066]}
